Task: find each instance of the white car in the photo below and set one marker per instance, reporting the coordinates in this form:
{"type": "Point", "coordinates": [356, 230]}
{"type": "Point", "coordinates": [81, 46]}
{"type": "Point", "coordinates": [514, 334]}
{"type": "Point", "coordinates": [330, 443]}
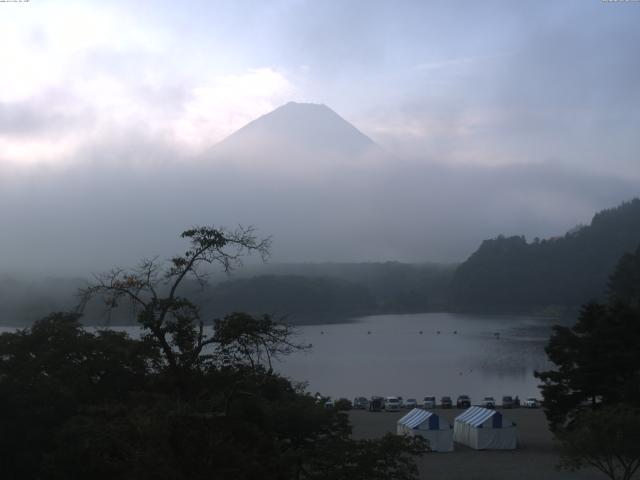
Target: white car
{"type": "Point", "coordinates": [429, 402]}
{"type": "Point", "coordinates": [392, 404]}
{"type": "Point", "coordinates": [531, 403]}
{"type": "Point", "coordinates": [489, 402]}
{"type": "Point", "coordinates": [411, 403]}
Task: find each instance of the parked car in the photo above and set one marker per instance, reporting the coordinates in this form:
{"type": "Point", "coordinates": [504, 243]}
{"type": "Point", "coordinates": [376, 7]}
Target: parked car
{"type": "Point", "coordinates": [392, 404]}
{"type": "Point", "coordinates": [376, 404]}
{"type": "Point", "coordinates": [463, 401]}
{"type": "Point", "coordinates": [489, 402]}
{"type": "Point", "coordinates": [401, 400]}
{"type": "Point", "coordinates": [507, 401]}
{"type": "Point", "coordinates": [411, 403]}
{"type": "Point", "coordinates": [445, 402]}
{"type": "Point", "coordinates": [429, 402]}
{"type": "Point", "coordinates": [360, 403]}
{"type": "Point", "coordinates": [531, 403]}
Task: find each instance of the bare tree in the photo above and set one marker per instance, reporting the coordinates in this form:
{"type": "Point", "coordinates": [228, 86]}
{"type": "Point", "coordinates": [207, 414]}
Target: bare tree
{"type": "Point", "coordinates": [153, 289]}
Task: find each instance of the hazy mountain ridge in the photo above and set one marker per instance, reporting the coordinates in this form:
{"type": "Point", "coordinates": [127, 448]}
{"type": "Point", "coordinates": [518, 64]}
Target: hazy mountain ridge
{"type": "Point", "coordinates": [302, 293]}
{"type": "Point", "coordinates": [395, 286]}
{"type": "Point", "coordinates": [506, 274]}
{"type": "Point", "coordinates": [295, 298]}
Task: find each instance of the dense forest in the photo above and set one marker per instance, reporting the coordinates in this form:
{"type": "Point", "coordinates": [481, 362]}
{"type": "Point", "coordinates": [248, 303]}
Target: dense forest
{"type": "Point", "coordinates": [393, 285]}
{"type": "Point", "coordinates": [290, 296]}
{"type": "Point", "coordinates": [509, 273]}
{"type": "Point", "coordinates": [326, 291]}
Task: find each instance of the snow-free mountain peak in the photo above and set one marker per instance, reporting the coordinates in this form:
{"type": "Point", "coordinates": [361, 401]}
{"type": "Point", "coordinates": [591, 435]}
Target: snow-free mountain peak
{"type": "Point", "coordinates": [296, 128]}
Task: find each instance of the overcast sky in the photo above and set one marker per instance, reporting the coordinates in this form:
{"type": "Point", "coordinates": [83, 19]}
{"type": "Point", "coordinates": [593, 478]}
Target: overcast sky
{"type": "Point", "coordinates": [467, 81]}
{"type": "Point", "coordinates": [464, 84]}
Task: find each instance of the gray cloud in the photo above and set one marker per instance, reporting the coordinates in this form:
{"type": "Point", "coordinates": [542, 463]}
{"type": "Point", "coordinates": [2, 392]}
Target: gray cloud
{"type": "Point", "coordinates": [546, 91]}
{"type": "Point", "coordinates": [46, 113]}
{"type": "Point", "coordinates": [107, 212]}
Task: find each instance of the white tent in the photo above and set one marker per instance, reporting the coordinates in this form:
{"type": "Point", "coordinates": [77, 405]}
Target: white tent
{"type": "Point", "coordinates": [484, 429]}
{"type": "Point", "coordinates": [428, 425]}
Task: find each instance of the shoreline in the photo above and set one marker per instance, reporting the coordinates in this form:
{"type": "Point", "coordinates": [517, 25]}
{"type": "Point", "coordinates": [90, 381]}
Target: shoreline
{"type": "Point", "coordinates": [306, 319]}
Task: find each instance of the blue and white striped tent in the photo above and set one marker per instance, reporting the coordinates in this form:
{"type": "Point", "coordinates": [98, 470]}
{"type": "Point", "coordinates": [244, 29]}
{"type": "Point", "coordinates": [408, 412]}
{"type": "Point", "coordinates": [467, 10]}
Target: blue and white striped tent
{"type": "Point", "coordinates": [485, 429]}
{"type": "Point", "coordinates": [427, 424]}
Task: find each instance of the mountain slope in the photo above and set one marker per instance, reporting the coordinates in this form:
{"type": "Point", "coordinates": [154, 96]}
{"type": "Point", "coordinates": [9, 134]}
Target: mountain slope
{"type": "Point", "coordinates": [509, 273]}
{"type": "Point", "coordinates": [298, 128]}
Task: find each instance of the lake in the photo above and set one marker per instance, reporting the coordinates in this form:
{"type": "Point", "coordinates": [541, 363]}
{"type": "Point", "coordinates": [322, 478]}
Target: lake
{"type": "Point", "coordinates": [388, 355]}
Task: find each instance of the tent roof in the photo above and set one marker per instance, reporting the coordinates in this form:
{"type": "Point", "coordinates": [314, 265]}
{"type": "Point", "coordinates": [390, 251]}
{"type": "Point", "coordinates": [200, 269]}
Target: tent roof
{"type": "Point", "coordinates": [476, 416]}
{"type": "Point", "coordinates": [415, 417]}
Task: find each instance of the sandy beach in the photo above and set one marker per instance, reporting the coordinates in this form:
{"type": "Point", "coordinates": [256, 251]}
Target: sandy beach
{"type": "Point", "coordinates": [535, 458]}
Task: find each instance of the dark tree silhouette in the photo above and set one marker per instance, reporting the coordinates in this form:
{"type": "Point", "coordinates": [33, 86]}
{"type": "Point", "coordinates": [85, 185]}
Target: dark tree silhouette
{"type": "Point", "coordinates": [179, 403]}
{"type": "Point", "coordinates": [607, 439]}
{"type": "Point", "coordinates": [592, 397]}
{"type": "Point", "coordinates": [153, 288]}
{"type": "Point", "coordinates": [597, 360]}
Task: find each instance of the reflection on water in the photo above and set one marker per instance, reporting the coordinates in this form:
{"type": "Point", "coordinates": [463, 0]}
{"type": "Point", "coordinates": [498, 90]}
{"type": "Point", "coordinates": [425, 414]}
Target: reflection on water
{"type": "Point", "coordinates": [423, 354]}
{"type": "Point", "coordinates": [420, 354]}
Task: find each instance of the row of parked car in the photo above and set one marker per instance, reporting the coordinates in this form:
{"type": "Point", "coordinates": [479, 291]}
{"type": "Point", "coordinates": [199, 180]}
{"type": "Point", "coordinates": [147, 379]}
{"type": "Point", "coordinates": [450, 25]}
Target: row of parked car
{"type": "Point", "coordinates": [395, 403]}
{"type": "Point", "coordinates": [509, 402]}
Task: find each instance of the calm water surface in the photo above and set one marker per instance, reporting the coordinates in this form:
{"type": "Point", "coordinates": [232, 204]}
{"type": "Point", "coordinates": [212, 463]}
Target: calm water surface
{"type": "Point", "coordinates": [387, 355]}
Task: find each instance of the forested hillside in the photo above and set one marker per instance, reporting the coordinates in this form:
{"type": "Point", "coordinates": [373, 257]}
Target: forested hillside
{"type": "Point", "coordinates": [505, 274]}
{"type": "Point", "coordinates": [291, 296]}
{"type": "Point", "coordinates": [511, 273]}
{"type": "Point", "coordinates": [394, 286]}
